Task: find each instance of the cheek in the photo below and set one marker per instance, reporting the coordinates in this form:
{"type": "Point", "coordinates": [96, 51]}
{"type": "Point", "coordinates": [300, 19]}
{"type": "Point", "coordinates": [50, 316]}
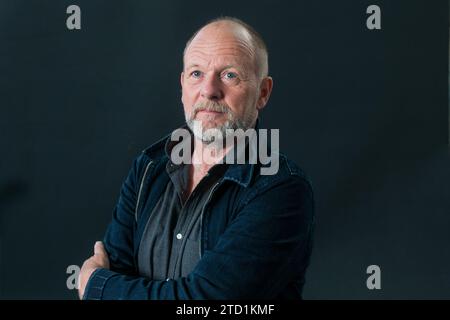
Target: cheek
{"type": "Point", "coordinates": [186, 100]}
{"type": "Point", "coordinates": [189, 99]}
{"type": "Point", "coordinates": [188, 95]}
{"type": "Point", "coordinates": [241, 101]}
{"type": "Point", "coordinates": [186, 103]}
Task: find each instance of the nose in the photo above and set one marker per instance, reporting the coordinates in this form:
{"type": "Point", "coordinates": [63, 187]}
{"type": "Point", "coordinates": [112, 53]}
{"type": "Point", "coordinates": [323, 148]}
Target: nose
{"type": "Point", "coordinates": [211, 88]}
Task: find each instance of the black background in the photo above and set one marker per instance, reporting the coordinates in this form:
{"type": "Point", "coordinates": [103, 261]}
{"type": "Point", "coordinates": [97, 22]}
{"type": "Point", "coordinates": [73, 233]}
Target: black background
{"type": "Point", "coordinates": [364, 113]}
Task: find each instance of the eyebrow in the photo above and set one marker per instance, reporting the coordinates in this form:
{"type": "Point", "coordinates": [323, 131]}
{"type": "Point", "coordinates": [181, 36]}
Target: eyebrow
{"type": "Point", "coordinates": [230, 66]}
{"type": "Point", "coordinates": [194, 65]}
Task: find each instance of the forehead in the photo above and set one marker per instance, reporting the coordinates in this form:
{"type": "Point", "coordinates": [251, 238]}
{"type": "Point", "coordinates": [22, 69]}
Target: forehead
{"type": "Point", "coordinates": [220, 44]}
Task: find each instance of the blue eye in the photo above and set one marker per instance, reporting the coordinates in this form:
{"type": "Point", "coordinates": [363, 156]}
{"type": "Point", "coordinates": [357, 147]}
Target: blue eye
{"type": "Point", "coordinates": [230, 75]}
{"type": "Point", "coordinates": [196, 74]}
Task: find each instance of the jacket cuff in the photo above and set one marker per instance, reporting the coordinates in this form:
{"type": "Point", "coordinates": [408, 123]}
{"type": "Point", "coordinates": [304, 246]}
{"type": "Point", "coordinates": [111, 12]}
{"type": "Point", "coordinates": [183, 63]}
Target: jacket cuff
{"type": "Point", "coordinates": [96, 284]}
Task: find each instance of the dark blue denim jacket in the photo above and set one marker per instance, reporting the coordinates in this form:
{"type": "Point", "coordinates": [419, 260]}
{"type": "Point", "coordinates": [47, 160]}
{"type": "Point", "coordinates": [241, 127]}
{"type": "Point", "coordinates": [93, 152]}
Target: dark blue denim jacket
{"type": "Point", "coordinates": [256, 236]}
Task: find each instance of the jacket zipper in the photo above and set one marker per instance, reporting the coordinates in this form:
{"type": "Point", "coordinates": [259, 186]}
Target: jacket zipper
{"type": "Point", "coordinates": [201, 216]}
{"type": "Point", "coordinates": [140, 190]}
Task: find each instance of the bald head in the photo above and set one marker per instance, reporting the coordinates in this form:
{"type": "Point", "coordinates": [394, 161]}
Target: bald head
{"type": "Point", "coordinates": [232, 29]}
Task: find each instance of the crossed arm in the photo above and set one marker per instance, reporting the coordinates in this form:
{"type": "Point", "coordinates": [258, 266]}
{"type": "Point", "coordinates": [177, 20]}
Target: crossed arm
{"type": "Point", "coordinates": [262, 250]}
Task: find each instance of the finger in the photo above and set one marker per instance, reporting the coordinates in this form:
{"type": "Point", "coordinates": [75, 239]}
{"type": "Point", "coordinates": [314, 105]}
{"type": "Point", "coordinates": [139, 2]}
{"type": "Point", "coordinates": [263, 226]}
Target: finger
{"type": "Point", "coordinates": [99, 248]}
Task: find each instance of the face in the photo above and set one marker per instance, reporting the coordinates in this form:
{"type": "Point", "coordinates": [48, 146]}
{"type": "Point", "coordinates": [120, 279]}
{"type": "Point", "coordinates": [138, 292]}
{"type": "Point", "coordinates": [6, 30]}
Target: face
{"type": "Point", "coordinates": [220, 85]}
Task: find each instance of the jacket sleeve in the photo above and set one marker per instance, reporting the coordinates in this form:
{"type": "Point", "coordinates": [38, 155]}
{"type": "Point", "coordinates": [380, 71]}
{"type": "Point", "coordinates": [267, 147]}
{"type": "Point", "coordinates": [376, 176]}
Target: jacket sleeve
{"type": "Point", "coordinates": [119, 235]}
{"type": "Point", "coordinates": [265, 247]}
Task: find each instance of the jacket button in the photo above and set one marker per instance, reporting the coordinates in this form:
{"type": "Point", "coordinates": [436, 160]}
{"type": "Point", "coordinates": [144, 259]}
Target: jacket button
{"type": "Point", "coordinates": [179, 236]}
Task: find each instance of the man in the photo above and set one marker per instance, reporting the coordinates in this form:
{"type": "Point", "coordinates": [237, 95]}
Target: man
{"type": "Point", "coordinates": [208, 230]}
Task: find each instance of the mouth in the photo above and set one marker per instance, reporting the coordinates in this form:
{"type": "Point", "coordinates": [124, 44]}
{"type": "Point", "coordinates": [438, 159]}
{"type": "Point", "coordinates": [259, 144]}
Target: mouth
{"type": "Point", "coordinates": [209, 112]}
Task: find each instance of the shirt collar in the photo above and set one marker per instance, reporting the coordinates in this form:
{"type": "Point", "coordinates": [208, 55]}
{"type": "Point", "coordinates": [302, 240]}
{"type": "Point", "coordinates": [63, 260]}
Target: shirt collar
{"type": "Point", "coordinates": [238, 173]}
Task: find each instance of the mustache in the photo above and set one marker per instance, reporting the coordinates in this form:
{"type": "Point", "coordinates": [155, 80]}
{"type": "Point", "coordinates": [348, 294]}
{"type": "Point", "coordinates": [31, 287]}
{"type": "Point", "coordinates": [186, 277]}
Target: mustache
{"type": "Point", "coordinates": [210, 106]}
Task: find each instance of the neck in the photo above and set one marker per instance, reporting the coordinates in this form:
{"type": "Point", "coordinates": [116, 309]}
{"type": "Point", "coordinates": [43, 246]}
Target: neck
{"type": "Point", "coordinates": [205, 156]}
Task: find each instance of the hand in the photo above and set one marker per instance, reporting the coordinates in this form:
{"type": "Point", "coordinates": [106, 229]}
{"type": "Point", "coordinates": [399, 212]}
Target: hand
{"type": "Point", "coordinates": [97, 261]}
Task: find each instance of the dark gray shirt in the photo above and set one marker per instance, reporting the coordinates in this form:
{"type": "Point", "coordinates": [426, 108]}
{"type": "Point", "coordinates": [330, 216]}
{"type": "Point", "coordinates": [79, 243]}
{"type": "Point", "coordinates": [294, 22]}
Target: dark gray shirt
{"type": "Point", "coordinates": [170, 245]}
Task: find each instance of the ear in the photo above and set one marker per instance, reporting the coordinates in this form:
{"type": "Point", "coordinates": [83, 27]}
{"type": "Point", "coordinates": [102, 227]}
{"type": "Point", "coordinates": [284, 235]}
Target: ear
{"type": "Point", "coordinates": [182, 83]}
{"type": "Point", "coordinates": [182, 78]}
{"type": "Point", "coordinates": [264, 92]}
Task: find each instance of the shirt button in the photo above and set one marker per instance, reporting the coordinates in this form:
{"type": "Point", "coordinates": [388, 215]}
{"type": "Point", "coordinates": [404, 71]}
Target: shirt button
{"type": "Point", "coordinates": [179, 236]}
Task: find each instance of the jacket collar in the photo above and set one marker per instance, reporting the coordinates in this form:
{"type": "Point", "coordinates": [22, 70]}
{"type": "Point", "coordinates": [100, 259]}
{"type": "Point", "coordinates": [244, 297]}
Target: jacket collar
{"type": "Point", "coordinates": [242, 173]}
{"type": "Point", "coordinates": [239, 173]}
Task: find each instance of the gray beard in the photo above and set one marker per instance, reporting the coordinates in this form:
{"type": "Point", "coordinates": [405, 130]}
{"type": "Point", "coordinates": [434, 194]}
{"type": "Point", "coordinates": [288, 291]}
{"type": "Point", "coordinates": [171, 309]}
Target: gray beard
{"type": "Point", "coordinates": [210, 135]}
{"type": "Point", "coordinates": [221, 132]}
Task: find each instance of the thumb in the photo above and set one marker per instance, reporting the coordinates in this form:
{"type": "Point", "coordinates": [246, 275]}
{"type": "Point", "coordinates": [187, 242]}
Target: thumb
{"type": "Point", "coordinates": [99, 248]}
